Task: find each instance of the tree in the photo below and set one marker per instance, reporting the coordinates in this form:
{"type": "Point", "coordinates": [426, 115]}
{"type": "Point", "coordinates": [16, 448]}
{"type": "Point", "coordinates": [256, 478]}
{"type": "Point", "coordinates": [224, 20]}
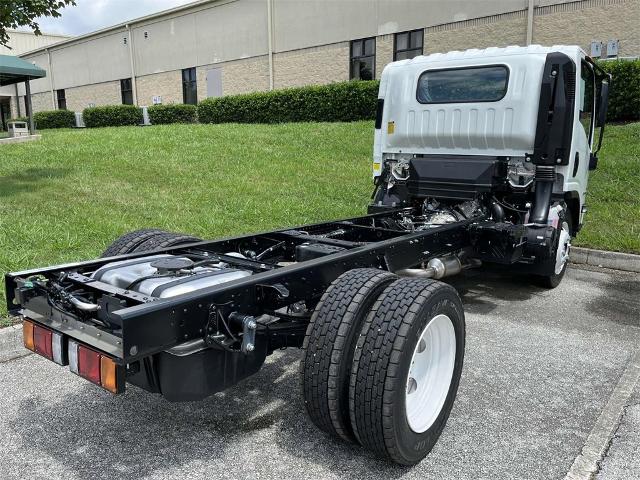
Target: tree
{"type": "Point", "coordinates": [22, 13]}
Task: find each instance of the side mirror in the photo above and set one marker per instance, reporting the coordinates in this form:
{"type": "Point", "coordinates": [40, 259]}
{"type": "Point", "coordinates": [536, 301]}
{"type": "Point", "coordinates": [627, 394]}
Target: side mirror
{"type": "Point", "coordinates": [603, 105]}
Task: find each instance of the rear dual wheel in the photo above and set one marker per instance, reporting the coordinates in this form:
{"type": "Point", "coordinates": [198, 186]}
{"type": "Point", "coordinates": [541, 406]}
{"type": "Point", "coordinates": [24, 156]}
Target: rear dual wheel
{"type": "Point", "coordinates": [400, 363]}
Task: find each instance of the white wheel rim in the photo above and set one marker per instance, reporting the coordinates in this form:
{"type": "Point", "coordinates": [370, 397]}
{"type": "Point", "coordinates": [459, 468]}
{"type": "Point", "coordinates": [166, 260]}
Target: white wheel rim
{"type": "Point", "coordinates": [430, 373]}
{"type": "Point", "coordinates": [564, 248]}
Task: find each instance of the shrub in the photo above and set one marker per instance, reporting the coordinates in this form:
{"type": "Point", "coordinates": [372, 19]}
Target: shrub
{"type": "Point", "coordinates": [112, 116]}
{"type": "Point", "coordinates": [624, 94]}
{"type": "Point", "coordinates": [174, 113]}
{"type": "Point", "coordinates": [54, 119]}
{"type": "Point", "coordinates": [337, 102]}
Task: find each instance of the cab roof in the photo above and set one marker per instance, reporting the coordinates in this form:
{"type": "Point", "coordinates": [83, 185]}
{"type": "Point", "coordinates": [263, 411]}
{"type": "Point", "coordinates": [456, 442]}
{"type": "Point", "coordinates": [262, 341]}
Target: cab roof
{"type": "Point", "coordinates": [474, 54]}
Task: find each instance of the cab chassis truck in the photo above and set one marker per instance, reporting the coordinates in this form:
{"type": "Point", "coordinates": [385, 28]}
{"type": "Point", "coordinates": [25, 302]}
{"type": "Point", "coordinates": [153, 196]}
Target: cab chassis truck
{"type": "Point", "coordinates": [479, 156]}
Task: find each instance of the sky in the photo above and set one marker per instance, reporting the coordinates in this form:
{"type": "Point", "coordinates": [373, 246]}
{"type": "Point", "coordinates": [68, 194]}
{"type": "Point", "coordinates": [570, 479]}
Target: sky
{"type": "Point", "coordinates": [90, 15]}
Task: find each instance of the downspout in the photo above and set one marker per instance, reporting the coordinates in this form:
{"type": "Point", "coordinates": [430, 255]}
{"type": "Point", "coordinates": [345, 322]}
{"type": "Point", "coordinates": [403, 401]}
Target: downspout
{"type": "Point", "coordinates": [53, 96]}
{"type": "Point", "coordinates": [530, 14]}
{"type": "Point", "coordinates": [270, 41]}
{"type": "Point", "coordinates": [134, 87]}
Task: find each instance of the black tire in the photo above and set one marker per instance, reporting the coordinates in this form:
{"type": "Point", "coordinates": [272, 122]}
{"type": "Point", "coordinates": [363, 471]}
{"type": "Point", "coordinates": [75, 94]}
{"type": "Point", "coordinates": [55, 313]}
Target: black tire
{"type": "Point", "coordinates": [165, 240]}
{"type": "Point", "coordinates": [552, 280]}
{"type": "Point", "coordinates": [329, 344]}
{"type": "Point", "coordinates": [383, 357]}
{"type": "Point", "coordinates": [128, 242]}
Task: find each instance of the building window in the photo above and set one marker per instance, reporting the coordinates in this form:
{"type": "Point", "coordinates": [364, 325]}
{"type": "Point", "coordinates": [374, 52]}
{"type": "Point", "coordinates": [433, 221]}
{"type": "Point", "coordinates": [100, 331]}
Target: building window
{"type": "Point", "coordinates": [363, 59]}
{"type": "Point", "coordinates": [62, 99]}
{"type": "Point", "coordinates": [126, 90]}
{"type": "Point", "coordinates": [189, 86]}
{"type": "Point", "coordinates": [407, 45]}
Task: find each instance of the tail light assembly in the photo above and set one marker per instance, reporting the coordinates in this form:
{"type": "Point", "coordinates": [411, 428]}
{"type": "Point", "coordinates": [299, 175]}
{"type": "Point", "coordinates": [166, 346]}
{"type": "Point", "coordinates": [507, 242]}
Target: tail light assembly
{"type": "Point", "coordinates": [95, 367]}
{"type": "Point", "coordinates": [83, 361]}
{"type": "Point", "coordinates": [44, 342]}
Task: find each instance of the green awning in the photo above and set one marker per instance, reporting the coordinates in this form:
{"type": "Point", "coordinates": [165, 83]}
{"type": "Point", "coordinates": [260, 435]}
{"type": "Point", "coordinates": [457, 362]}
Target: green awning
{"type": "Point", "coordinates": [16, 70]}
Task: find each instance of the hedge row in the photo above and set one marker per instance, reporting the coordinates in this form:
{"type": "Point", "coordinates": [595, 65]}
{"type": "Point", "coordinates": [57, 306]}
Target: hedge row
{"type": "Point", "coordinates": [51, 119]}
{"type": "Point", "coordinates": [173, 113]}
{"type": "Point", "coordinates": [337, 102]}
{"type": "Point", "coordinates": [54, 119]}
{"type": "Point", "coordinates": [112, 116]}
{"type": "Point", "coordinates": [624, 95]}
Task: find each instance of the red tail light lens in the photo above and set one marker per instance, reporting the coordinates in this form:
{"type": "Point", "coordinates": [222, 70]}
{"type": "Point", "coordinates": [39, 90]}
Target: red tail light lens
{"type": "Point", "coordinates": [42, 341]}
{"type": "Point", "coordinates": [89, 364]}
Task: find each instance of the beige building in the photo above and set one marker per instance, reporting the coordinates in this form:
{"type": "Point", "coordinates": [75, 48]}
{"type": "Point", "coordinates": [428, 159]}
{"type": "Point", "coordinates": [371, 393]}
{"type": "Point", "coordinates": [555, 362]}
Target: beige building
{"type": "Point", "coordinates": [220, 47]}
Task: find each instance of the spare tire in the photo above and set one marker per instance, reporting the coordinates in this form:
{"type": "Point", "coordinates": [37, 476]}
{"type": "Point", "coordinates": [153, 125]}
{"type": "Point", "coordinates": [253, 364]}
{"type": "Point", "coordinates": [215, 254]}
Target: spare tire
{"type": "Point", "coordinates": [165, 240]}
{"type": "Point", "coordinates": [128, 242]}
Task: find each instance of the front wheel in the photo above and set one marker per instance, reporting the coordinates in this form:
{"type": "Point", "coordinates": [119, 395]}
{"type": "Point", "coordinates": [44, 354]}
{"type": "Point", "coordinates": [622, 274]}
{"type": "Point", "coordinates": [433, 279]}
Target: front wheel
{"type": "Point", "coordinates": [561, 260]}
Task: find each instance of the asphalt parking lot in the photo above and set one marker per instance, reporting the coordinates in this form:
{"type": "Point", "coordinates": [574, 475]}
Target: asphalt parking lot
{"type": "Point", "coordinates": [540, 367]}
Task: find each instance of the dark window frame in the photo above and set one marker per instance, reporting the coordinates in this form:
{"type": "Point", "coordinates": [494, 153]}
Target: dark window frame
{"type": "Point", "coordinates": [584, 66]}
{"type": "Point", "coordinates": [126, 93]}
{"type": "Point", "coordinates": [397, 51]}
{"type": "Point", "coordinates": [474, 67]}
{"type": "Point", "coordinates": [353, 58]}
{"type": "Point", "coordinates": [61, 100]}
{"type": "Point", "coordinates": [191, 83]}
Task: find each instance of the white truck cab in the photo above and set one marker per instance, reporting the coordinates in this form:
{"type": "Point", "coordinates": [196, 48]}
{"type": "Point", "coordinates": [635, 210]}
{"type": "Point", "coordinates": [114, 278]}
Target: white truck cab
{"type": "Point", "coordinates": [513, 129]}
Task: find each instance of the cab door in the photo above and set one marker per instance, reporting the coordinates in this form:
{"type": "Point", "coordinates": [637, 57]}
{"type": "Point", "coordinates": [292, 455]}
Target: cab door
{"type": "Point", "coordinates": [583, 132]}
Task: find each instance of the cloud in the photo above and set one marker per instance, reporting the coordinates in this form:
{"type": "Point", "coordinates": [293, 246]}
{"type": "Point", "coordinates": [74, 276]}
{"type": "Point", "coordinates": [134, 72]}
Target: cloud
{"type": "Point", "coordinates": [90, 15]}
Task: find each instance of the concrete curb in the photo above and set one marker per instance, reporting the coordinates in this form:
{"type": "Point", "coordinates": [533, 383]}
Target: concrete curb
{"type": "Point", "coordinates": [11, 343]}
{"type": "Point", "coordinates": [627, 262]}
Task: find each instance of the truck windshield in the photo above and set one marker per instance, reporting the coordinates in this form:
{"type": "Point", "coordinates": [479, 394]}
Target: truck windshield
{"type": "Point", "coordinates": [463, 85]}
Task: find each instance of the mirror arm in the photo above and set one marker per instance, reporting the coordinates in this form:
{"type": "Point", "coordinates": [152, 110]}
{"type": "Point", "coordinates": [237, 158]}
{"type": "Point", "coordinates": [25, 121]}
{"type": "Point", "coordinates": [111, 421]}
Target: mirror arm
{"type": "Point", "coordinates": [600, 141]}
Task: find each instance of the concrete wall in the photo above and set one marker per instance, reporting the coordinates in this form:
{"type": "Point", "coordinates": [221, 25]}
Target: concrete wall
{"type": "Point", "coordinates": [384, 53]}
{"type": "Point", "coordinates": [168, 85]}
{"type": "Point", "coordinates": [21, 42]}
{"type": "Point", "coordinates": [79, 98]}
{"type": "Point", "coordinates": [40, 102]}
{"type": "Point", "coordinates": [104, 58]}
{"type": "Point", "coordinates": [312, 66]}
{"type": "Point", "coordinates": [496, 31]}
{"type": "Point", "coordinates": [239, 76]}
{"type": "Point", "coordinates": [40, 84]}
{"type": "Point", "coordinates": [220, 32]}
{"type": "Point", "coordinates": [583, 22]}
{"type": "Point", "coordinates": [300, 24]}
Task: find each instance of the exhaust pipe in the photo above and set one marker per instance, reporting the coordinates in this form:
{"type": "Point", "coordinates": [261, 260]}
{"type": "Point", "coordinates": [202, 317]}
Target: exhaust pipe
{"type": "Point", "coordinates": [436, 268]}
{"type": "Point", "coordinates": [545, 178]}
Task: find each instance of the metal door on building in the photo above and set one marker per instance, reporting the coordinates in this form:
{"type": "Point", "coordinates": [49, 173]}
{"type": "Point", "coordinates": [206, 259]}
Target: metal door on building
{"type": "Point", "coordinates": [214, 82]}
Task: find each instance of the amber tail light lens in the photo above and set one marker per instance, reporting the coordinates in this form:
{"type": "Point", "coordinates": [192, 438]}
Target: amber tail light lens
{"type": "Point", "coordinates": [27, 335]}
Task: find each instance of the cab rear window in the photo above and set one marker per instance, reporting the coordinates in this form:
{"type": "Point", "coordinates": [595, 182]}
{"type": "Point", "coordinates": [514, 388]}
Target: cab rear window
{"type": "Point", "coordinates": [463, 85]}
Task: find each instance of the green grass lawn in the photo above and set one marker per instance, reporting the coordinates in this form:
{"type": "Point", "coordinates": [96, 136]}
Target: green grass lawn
{"type": "Point", "coordinates": [69, 195]}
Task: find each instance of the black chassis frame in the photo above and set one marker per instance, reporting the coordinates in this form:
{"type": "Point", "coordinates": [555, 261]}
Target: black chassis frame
{"type": "Point", "coordinates": [150, 325]}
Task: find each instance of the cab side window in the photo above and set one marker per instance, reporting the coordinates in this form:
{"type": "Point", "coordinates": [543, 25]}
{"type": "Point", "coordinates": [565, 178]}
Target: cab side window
{"type": "Point", "coordinates": [587, 99]}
